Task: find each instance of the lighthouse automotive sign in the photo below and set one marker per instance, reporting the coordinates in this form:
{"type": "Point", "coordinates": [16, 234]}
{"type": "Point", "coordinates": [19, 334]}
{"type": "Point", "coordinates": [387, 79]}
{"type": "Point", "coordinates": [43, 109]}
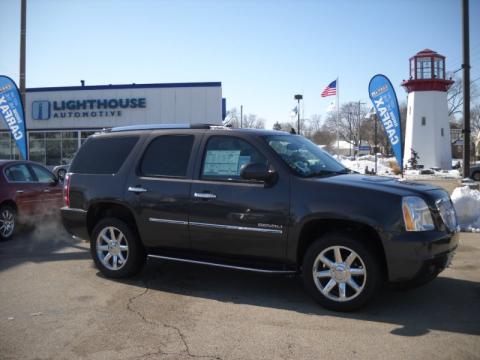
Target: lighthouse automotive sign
{"type": "Point", "coordinates": [385, 102]}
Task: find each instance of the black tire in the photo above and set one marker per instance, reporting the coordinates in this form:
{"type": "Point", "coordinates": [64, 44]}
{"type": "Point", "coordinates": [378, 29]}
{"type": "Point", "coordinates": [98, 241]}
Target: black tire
{"type": "Point", "coordinates": [8, 222]}
{"type": "Point", "coordinates": [135, 255]}
{"type": "Point", "coordinates": [365, 261]}
{"type": "Point", "coordinates": [476, 176]}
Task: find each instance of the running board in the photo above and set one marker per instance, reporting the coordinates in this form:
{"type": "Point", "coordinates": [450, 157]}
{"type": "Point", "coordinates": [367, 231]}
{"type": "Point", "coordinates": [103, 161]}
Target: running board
{"type": "Point", "coordinates": [243, 268]}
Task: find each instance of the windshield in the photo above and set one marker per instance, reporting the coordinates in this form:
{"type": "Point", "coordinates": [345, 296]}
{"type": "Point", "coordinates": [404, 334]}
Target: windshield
{"type": "Point", "coordinates": [304, 157]}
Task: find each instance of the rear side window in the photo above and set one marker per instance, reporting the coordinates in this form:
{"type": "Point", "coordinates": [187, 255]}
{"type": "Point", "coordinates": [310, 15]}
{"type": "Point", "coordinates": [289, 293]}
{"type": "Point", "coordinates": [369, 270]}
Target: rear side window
{"type": "Point", "coordinates": [103, 155]}
{"type": "Point", "coordinates": [167, 155]}
{"type": "Point", "coordinates": [18, 173]}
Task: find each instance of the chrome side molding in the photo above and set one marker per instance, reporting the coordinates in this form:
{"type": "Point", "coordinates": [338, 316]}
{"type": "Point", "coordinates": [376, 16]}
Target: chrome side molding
{"type": "Point", "coordinates": [234, 227]}
{"type": "Point", "coordinates": [168, 221]}
{"type": "Point", "coordinates": [136, 189]}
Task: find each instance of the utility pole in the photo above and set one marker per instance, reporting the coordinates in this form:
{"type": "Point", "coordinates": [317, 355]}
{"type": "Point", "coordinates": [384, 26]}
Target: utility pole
{"type": "Point", "coordinates": [466, 89]}
{"type": "Point", "coordinates": [23, 35]}
{"type": "Point", "coordinates": [360, 125]}
{"type": "Point", "coordinates": [241, 116]}
{"type": "Point", "coordinates": [298, 97]}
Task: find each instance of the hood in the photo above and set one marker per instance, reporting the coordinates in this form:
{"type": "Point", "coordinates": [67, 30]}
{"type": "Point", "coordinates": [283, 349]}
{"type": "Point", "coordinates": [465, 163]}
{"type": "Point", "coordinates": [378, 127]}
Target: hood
{"type": "Point", "coordinates": [379, 183]}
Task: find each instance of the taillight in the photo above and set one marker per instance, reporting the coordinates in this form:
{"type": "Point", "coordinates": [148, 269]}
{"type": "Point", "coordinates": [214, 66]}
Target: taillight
{"type": "Point", "coordinates": [66, 190]}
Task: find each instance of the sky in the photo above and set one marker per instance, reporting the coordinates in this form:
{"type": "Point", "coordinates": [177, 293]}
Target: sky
{"type": "Point", "coordinates": [263, 52]}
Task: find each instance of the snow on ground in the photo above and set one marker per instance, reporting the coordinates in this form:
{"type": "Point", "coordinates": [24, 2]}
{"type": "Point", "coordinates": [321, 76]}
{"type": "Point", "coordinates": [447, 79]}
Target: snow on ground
{"type": "Point", "coordinates": [467, 205]}
{"type": "Point", "coordinates": [383, 168]}
{"type": "Point", "coordinates": [362, 162]}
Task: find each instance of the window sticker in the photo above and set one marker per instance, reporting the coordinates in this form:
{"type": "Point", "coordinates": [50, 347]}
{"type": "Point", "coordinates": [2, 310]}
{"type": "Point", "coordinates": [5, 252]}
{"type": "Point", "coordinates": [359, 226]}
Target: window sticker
{"type": "Point", "coordinates": [222, 163]}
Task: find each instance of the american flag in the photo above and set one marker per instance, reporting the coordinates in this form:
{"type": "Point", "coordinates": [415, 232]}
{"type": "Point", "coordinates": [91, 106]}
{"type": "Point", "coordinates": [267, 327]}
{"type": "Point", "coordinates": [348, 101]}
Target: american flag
{"type": "Point", "coordinates": [331, 89]}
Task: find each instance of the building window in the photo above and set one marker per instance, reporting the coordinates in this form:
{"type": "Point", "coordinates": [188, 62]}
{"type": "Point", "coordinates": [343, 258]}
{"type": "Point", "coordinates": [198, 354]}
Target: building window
{"type": "Point", "coordinates": [424, 68]}
{"type": "Point", "coordinates": [8, 146]}
{"type": "Point", "coordinates": [438, 68]}
{"type": "Point", "coordinates": [441, 132]}
{"type": "Point", "coordinates": [424, 121]}
{"type": "Point", "coordinates": [84, 135]}
{"type": "Point", "coordinates": [69, 146]}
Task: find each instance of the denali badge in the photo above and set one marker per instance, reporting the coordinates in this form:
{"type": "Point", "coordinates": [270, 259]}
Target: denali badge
{"type": "Point", "coordinates": [269, 226]}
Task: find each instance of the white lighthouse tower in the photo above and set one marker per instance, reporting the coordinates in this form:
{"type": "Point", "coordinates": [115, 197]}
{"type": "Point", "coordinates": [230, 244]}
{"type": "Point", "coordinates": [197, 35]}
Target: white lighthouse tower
{"type": "Point", "coordinates": [428, 130]}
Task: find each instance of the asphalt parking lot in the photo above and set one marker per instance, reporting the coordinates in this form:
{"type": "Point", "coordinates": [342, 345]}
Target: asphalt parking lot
{"type": "Point", "coordinates": [55, 304]}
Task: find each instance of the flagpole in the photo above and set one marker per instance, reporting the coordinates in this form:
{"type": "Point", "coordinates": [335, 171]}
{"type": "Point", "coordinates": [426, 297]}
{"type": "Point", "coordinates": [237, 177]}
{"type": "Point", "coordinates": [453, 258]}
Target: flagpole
{"type": "Point", "coordinates": [338, 117]}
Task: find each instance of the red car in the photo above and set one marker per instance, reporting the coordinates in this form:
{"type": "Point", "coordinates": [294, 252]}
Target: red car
{"type": "Point", "coordinates": [27, 191]}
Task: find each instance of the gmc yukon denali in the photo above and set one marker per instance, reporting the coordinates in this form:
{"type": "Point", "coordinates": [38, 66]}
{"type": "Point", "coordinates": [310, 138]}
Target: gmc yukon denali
{"type": "Point", "coordinates": [254, 200]}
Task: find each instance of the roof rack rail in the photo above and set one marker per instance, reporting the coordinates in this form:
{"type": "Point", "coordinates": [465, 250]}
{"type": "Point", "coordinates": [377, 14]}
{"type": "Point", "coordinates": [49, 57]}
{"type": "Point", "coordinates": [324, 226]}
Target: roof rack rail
{"type": "Point", "coordinates": [161, 126]}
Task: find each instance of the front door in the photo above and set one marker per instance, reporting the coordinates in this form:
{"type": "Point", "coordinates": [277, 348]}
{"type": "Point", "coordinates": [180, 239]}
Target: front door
{"type": "Point", "coordinates": [232, 216]}
{"type": "Point", "coordinates": [159, 191]}
{"type": "Point", "coordinates": [49, 189]}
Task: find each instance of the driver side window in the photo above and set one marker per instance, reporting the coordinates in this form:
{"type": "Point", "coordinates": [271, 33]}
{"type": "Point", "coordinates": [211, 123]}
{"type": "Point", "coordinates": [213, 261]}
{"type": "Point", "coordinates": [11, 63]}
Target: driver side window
{"type": "Point", "coordinates": [224, 157]}
{"type": "Point", "coordinates": [43, 175]}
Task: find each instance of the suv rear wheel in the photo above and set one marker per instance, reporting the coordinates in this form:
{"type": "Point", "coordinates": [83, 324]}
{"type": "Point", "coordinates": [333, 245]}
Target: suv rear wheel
{"type": "Point", "coordinates": [340, 272]}
{"type": "Point", "coordinates": [115, 249]}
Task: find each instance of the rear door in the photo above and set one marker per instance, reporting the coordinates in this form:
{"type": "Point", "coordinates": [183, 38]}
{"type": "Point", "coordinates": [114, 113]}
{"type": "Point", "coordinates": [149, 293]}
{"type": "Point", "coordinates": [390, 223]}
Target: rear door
{"type": "Point", "coordinates": [25, 188]}
{"type": "Point", "coordinates": [159, 189]}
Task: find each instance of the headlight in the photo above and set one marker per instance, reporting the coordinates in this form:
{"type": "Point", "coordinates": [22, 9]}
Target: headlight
{"type": "Point", "coordinates": [447, 213]}
{"type": "Point", "coordinates": [416, 214]}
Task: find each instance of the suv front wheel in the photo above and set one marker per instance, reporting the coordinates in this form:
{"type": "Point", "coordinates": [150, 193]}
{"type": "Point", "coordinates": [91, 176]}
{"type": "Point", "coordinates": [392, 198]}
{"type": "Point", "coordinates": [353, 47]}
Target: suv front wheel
{"type": "Point", "coordinates": [340, 272]}
{"type": "Point", "coordinates": [115, 249]}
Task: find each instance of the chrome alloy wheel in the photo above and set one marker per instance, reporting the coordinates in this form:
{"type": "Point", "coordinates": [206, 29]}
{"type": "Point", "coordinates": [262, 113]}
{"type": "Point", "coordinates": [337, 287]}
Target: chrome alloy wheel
{"type": "Point", "coordinates": [339, 273]}
{"type": "Point", "coordinates": [112, 248]}
{"type": "Point", "coordinates": [7, 222]}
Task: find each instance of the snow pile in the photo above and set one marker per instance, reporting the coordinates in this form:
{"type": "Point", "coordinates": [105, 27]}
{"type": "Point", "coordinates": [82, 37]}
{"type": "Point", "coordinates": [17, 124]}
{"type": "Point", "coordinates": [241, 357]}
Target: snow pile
{"type": "Point", "coordinates": [361, 163]}
{"type": "Point", "coordinates": [444, 174]}
{"type": "Point", "coordinates": [467, 205]}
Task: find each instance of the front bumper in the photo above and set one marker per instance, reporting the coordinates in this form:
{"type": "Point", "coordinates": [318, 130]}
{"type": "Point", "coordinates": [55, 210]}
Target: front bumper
{"type": "Point", "coordinates": [75, 222]}
{"type": "Point", "coordinates": [412, 255]}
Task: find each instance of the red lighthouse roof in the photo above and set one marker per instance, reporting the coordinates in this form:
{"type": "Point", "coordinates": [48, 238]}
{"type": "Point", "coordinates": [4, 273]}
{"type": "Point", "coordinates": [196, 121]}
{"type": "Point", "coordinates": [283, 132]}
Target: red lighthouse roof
{"type": "Point", "coordinates": [427, 72]}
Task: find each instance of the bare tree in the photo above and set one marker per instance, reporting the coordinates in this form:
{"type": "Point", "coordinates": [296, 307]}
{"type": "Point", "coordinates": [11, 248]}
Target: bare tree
{"type": "Point", "coordinates": [455, 96]}
{"type": "Point", "coordinates": [351, 122]}
{"type": "Point", "coordinates": [277, 126]}
{"type": "Point", "coordinates": [324, 136]}
{"type": "Point", "coordinates": [249, 120]}
{"type": "Point", "coordinates": [475, 119]}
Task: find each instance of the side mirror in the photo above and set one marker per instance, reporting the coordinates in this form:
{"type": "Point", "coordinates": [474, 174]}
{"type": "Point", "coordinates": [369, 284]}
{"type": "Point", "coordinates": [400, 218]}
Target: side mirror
{"type": "Point", "coordinates": [55, 180]}
{"type": "Point", "coordinates": [257, 171]}
{"type": "Point", "coordinates": [61, 176]}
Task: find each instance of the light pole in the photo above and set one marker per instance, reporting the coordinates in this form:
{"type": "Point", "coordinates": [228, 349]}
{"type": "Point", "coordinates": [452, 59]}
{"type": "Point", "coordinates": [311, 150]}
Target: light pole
{"type": "Point", "coordinates": [23, 36]}
{"type": "Point", "coordinates": [466, 89]}
{"type": "Point", "coordinates": [372, 115]}
{"type": "Point", "coordinates": [298, 97]}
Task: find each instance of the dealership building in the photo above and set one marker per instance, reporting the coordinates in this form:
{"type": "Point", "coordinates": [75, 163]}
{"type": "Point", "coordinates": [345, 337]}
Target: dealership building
{"type": "Point", "coordinates": [59, 119]}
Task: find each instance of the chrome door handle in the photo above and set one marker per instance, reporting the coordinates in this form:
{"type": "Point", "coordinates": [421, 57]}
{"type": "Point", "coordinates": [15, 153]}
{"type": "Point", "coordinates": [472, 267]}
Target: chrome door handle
{"type": "Point", "coordinates": [205, 195]}
{"type": "Point", "coordinates": [19, 191]}
{"type": "Point", "coordinates": [136, 189]}
{"type": "Point", "coordinates": [46, 190]}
